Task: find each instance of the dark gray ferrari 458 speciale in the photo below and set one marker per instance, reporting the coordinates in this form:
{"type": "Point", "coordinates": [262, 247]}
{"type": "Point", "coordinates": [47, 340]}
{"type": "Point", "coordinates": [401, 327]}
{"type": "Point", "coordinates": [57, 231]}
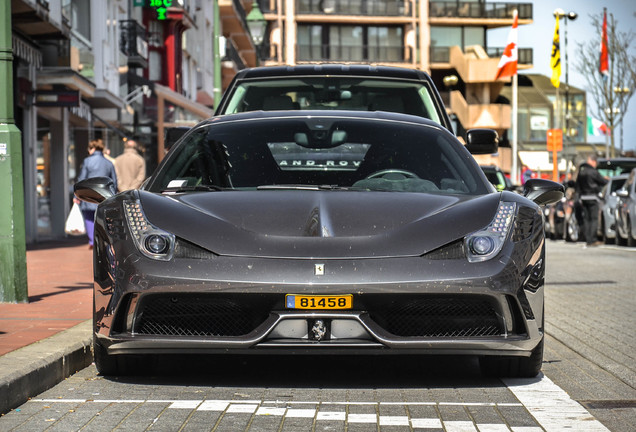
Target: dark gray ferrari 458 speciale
{"type": "Point", "coordinates": [320, 232]}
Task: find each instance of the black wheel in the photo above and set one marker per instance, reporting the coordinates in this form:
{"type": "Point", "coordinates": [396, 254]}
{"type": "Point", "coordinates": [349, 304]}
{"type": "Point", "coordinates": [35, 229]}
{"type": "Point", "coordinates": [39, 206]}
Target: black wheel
{"type": "Point", "coordinates": [571, 229]}
{"type": "Point", "coordinates": [106, 364]}
{"type": "Point", "coordinates": [619, 239]}
{"type": "Point", "coordinates": [631, 241]}
{"type": "Point", "coordinates": [513, 367]}
{"type": "Point", "coordinates": [118, 365]}
{"type": "Point", "coordinates": [606, 239]}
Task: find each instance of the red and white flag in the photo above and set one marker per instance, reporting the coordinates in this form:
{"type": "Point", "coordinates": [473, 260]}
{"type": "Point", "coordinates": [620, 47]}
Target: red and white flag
{"type": "Point", "coordinates": [604, 62]}
{"type": "Point", "coordinates": [508, 64]}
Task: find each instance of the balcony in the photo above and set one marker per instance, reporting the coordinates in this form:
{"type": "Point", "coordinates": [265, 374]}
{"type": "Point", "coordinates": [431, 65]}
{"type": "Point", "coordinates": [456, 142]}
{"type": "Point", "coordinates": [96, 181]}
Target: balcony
{"type": "Point", "coordinates": [234, 24]}
{"type": "Point", "coordinates": [443, 55]}
{"type": "Point", "coordinates": [524, 55]}
{"type": "Point", "coordinates": [32, 20]}
{"type": "Point", "coordinates": [494, 116]}
{"type": "Point", "coordinates": [478, 10]}
{"type": "Point", "coordinates": [354, 7]}
{"type": "Point", "coordinates": [352, 53]}
{"type": "Point", "coordinates": [82, 58]}
{"type": "Point", "coordinates": [134, 43]}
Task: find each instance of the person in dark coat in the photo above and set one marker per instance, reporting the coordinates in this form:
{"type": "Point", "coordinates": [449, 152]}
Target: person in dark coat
{"type": "Point", "coordinates": [589, 183]}
{"type": "Point", "coordinates": [95, 165]}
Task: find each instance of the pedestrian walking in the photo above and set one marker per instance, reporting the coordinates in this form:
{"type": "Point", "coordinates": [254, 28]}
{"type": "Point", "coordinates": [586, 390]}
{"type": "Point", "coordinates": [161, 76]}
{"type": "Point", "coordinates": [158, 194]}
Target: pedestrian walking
{"type": "Point", "coordinates": [130, 167]}
{"type": "Point", "coordinates": [95, 165]}
{"type": "Point", "coordinates": [589, 183]}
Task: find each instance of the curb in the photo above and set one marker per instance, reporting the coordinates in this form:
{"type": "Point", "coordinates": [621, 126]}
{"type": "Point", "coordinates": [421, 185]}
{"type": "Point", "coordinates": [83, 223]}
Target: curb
{"type": "Point", "coordinates": [29, 371]}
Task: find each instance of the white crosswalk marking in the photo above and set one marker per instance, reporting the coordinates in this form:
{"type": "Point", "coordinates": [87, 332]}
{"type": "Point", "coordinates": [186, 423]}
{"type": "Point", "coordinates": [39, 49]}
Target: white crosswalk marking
{"type": "Point", "coordinates": [271, 411]}
{"type": "Point", "coordinates": [185, 404]}
{"type": "Point", "coordinates": [242, 408]}
{"type": "Point", "coordinates": [551, 406]}
{"type": "Point", "coordinates": [212, 405]}
{"type": "Point", "coordinates": [362, 418]}
{"type": "Point", "coordinates": [492, 427]}
{"type": "Point", "coordinates": [422, 423]}
{"type": "Point", "coordinates": [327, 415]}
{"type": "Point", "coordinates": [301, 413]}
{"type": "Point", "coordinates": [394, 421]}
{"type": "Point", "coordinates": [459, 426]}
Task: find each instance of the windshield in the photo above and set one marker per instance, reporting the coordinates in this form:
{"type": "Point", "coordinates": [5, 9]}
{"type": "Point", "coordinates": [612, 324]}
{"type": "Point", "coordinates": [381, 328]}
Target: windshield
{"type": "Point", "coordinates": [334, 93]}
{"type": "Point", "coordinates": [322, 153]}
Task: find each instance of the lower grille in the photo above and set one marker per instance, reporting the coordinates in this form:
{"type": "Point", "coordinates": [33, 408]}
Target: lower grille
{"type": "Point", "coordinates": [440, 317]}
{"type": "Point", "coordinates": [196, 316]}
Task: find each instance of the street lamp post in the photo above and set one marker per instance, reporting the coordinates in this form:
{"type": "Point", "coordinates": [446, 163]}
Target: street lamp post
{"type": "Point", "coordinates": [257, 24]}
{"type": "Point", "coordinates": [621, 92]}
{"type": "Point", "coordinates": [560, 13]}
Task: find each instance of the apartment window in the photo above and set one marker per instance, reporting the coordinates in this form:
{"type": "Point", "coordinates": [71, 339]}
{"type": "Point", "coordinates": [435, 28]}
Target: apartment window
{"type": "Point", "coordinates": [78, 13]}
{"type": "Point", "coordinates": [351, 43]}
{"type": "Point", "coordinates": [442, 38]}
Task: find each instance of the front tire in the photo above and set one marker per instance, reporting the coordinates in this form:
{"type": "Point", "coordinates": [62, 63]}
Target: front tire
{"type": "Point", "coordinates": [513, 367]}
{"type": "Point", "coordinates": [571, 230]}
{"type": "Point", "coordinates": [117, 365]}
{"type": "Point", "coordinates": [631, 241]}
{"type": "Point", "coordinates": [106, 364]}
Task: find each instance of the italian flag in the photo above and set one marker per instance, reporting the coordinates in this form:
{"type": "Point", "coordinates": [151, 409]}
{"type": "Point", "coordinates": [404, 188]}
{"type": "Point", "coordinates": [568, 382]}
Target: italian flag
{"type": "Point", "coordinates": [595, 127]}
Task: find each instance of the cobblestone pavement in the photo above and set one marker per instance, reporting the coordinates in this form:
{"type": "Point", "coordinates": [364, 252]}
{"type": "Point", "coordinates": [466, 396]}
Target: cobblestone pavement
{"type": "Point", "coordinates": [591, 312]}
{"type": "Point", "coordinates": [588, 383]}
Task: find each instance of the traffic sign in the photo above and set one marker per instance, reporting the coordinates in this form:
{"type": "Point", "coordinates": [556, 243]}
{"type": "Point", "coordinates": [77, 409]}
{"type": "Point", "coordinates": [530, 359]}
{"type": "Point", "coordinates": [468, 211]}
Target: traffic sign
{"type": "Point", "coordinates": [555, 140]}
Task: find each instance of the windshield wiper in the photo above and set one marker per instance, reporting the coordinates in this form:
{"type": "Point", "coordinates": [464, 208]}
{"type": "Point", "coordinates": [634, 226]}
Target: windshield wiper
{"type": "Point", "coordinates": [301, 187]}
{"type": "Point", "coordinates": [197, 188]}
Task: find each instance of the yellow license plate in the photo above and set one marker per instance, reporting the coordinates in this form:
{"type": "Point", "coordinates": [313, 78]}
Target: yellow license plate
{"type": "Point", "coordinates": [293, 301]}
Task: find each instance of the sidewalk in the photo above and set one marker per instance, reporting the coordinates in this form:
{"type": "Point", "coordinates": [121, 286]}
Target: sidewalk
{"type": "Point", "coordinates": [48, 338]}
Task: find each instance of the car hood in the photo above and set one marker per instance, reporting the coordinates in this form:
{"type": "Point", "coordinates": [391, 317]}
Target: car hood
{"type": "Point", "coordinates": [318, 224]}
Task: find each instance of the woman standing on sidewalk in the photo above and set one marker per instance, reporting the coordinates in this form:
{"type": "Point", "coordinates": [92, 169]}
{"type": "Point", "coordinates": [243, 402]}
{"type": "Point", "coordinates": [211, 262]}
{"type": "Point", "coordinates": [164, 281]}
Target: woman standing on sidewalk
{"type": "Point", "coordinates": [95, 165]}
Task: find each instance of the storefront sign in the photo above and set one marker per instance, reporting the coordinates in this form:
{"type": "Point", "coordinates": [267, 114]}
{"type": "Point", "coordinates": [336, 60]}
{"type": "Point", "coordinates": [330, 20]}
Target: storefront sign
{"type": "Point", "coordinates": [55, 98]}
{"type": "Point", "coordinates": [161, 6]}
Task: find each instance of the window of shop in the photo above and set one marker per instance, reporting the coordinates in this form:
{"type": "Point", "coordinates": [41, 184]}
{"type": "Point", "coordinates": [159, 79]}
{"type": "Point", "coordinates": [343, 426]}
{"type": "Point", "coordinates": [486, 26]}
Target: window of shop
{"type": "Point", "coordinates": [43, 182]}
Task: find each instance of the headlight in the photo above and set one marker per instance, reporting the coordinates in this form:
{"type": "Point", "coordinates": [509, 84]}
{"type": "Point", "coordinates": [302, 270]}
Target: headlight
{"type": "Point", "coordinates": [150, 240]}
{"type": "Point", "coordinates": [485, 244]}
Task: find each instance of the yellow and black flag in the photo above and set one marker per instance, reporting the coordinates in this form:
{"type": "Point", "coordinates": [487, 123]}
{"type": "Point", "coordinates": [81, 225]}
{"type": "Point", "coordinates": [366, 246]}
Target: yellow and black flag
{"type": "Point", "coordinates": [555, 58]}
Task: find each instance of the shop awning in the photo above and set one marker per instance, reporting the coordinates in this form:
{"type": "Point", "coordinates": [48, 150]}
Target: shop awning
{"type": "Point", "coordinates": [540, 160]}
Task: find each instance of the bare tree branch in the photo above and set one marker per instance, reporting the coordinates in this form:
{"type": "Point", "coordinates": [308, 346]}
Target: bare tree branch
{"type": "Point", "coordinates": [612, 94]}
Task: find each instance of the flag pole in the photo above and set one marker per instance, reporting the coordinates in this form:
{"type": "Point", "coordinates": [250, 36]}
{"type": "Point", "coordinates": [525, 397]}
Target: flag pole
{"type": "Point", "coordinates": [515, 168]}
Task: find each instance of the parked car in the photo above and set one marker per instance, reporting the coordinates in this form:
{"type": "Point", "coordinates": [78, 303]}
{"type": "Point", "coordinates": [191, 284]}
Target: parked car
{"type": "Point", "coordinates": [572, 208]}
{"type": "Point", "coordinates": [607, 208]}
{"type": "Point", "coordinates": [555, 219]}
{"type": "Point", "coordinates": [357, 87]}
{"type": "Point", "coordinates": [497, 177]}
{"type": "Point", "coordinates": [305, 232]}
{"type": "Point", "coordinates": [626, 212]}
{"type": "Point", "coordinates": [611, 167]}
{"type": "Point", "coordinates": [567, 213]}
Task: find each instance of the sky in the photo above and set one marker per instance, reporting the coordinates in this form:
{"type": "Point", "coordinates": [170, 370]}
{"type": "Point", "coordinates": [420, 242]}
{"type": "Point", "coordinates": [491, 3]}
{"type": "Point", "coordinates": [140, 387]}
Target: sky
{"type": "Point", "coordinates": [538, 36]}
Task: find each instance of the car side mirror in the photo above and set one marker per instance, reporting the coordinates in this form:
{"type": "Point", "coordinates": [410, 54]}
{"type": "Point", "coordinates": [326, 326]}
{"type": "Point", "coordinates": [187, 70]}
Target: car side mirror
{"type": "Point", "coordinates": [623, 193]}
{"type": "Point", "coordinates": [542, 191]}
{"type": "Point", "coordinates": [482, 141]}
{"type": "Point", "coordinates": [94, 189]}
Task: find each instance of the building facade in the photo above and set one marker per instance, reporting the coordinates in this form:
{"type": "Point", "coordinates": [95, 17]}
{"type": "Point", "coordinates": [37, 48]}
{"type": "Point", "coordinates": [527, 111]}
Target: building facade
{"type": "Point", "coordinates": [109, 69]}
{"type": "Point", "coordinates": [444, 38]}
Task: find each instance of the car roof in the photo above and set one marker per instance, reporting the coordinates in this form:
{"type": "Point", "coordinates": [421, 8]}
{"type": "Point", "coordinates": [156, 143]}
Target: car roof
{"type": "Point", "coordinates": [334, 69]}
{"type": "Point", "coordinates": [339, 114]}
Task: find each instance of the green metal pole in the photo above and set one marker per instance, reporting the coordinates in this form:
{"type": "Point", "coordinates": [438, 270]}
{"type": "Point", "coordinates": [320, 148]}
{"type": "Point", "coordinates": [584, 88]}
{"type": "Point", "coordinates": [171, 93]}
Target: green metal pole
{"type": "Point", "coordinates": [218, 81]}
{"type": "Point", "coordinates": [13, 279]}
